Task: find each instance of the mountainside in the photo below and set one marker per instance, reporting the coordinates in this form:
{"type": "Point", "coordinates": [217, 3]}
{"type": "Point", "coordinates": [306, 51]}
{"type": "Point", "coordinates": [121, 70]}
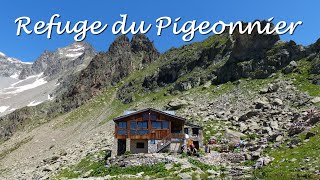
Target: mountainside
{"type": "Point", "coordinates": [254, 87]}
{"type": "Point", "coordinates": [61, 62]}
{"type": "Point", "coordinates": [32, 84]}
{"type": "Point", "coordinates": [107, 69]}
{"type": "Point", "coordinates": [11, 66]}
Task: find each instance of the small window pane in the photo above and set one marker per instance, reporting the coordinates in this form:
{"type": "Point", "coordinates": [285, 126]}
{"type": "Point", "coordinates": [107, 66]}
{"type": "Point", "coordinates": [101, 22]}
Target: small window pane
{"type": "Point", "coordinates": [156, 125]}
{"type": "Point", "coordinates": [165, 125]}
{"type": "Point", "coordinates": [133, 125]}
{"type": "Point", "coordinates": [186, 130]}
{"type": "Point", "coordinates": [140, 145]}
{"type": "Point", "coordinates": [122, 132]}
{"type": "Point", "coordinates": [195, 131]}
{"type": "Point", "coordinates": [122, 125]}
{"type": "Point", "coordinates": [154, 117]}
{"type": "Point", "coordinates": [145, 117]}
{"type": "Point", "coordinates": [133, 131]}
{"type": "Point", "coordinates": [143, 125]}
{"type": "Point", "coordinates": [142, 132]}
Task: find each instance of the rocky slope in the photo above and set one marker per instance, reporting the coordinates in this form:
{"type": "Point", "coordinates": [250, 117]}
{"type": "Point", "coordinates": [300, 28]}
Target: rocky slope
{"type": "Point", "coordinates": [254, 87]}
{"type": "Point", "coordinates": [11, 67]}
{"type": "Point", "coordinates": [62, 62]}
{"type": "Point", "coordinates": [74, 89]}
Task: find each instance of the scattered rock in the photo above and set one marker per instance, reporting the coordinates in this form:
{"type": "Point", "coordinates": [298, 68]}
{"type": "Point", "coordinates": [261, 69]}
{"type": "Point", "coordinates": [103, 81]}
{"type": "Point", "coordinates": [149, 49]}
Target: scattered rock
{"type": "Point", "coordinates": [309, 135]}
{"type": "Point", "coordinates": [232, 136]}
{"type": "Point", "coordinates": [185, 176]}
{"type": "Point", "coordinates": [277, 102]}
{"type": "Point", "coordinates": [315, 100]}
{"type": "Point", "coordinates": [279, 138]}
{"type": "Point", "coordinates": [177, 103]}
{"type": "Point", "coordinates": [290, 68]}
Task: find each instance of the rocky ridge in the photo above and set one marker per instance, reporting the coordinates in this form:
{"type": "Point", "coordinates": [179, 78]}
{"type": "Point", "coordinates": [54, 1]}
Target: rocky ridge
{"type": "Point", "coordinates": [11, 66]}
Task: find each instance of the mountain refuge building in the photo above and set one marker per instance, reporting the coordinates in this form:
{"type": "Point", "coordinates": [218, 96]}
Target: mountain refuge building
{"type": "Point", "coordinates": [152, 131]}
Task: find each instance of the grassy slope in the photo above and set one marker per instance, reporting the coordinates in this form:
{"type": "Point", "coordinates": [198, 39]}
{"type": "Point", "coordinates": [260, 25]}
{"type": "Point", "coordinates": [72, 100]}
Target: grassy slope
{"type": "Point", "coordinates": [281, 167]}
{"type": "Point", "coordinates": [293, 163]}
{"type": "Point", "coordinates": [297, 163]}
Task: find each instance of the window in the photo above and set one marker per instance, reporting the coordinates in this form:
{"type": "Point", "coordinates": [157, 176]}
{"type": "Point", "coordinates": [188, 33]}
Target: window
{"type": "Point", "coordinates": [145, 116]}
{"type": "Point", "coordinates": [122, 125]}
{"type": "Point", "coordinates": [165, 125]}
{"type": "Point", "coordinates": [154, 117]}
{"type": "Point", "coordinates": [152, 141]}
{"type": "Point", "coordinates": [156, 125]}
{"type": "Point", "coordinates": [143, 125]}
{"type": "Point", "coordinates": [133, 124]}
{"type": "Point", "coordinates": [122, 132]}
{"type": "Point", "coordinates": [186, 130]}
{"type": "Point", "coordinates": [140, 145]}
{"type": "Point", "coordinates": [142, 132]}
{"type": "Point", "coordinates": [195, 131]}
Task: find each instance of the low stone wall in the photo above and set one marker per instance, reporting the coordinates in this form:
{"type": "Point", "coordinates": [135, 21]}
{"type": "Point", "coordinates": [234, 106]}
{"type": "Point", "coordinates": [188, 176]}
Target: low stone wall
{"type": "Point", "coordinates": [140, 159]}
{"type": "Point", "coordinates": [233, 157]}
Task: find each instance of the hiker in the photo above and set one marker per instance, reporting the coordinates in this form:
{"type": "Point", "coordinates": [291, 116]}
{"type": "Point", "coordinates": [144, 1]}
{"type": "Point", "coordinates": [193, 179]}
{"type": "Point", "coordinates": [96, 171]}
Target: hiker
{"type": "Point", "coordinates": [189, 151]}
{"type": "Point", "coordinates": [182, 148]}
{"type": "Point", "coordinates": [207, 148]}
{"type": "Point", "coordinates": [192, 147]}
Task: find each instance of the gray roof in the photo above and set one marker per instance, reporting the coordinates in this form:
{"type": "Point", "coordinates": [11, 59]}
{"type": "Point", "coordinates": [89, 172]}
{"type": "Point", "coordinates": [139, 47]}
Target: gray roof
{"type": "Point", "coordinates": [130, 113]}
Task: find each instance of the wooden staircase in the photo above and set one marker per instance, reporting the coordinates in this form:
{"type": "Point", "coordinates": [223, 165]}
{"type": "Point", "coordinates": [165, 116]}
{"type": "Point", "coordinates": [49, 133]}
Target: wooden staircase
{"type": "Point", "coordinates": [166, 141]}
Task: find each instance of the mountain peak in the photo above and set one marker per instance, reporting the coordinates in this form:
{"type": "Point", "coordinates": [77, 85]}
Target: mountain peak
{"type": "Point", "coordinates": [67, 59]}
{"type": "Point", "coordinates": [140, 42]}
{"type": "Point", "coordinates": [10, 66]}
{"type": "Point", "coordinates": [2, 55]}
{"type": "Point", "coordinates": [120, 44]}
{"type": "Point", "coordinates": [252, 45]}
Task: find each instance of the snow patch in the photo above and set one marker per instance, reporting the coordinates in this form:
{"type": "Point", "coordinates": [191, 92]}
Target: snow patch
{"type": "Point", "coordinates": [29, 77]}
{"type": "Point", "coordinates": [11, 110]}
{"type": "Point", "coordinates": [18, 89]}
{"type": "Point", "coordinates": [2, 54]}
{"type": "Point", "coordinates": [3, 108]}
{"type": "Point", "coordinates": [15, 76]}
{"type": "Point", "coordinates": [79, 48]}
{"type": "Point", "coordinates": [16, 61]}
{"type": "Point", "coordinates": [74, 55]}
{"type": "Point", "coordinates": [34, 103]}
{"type": "Point", "coordinates": [50, 97]}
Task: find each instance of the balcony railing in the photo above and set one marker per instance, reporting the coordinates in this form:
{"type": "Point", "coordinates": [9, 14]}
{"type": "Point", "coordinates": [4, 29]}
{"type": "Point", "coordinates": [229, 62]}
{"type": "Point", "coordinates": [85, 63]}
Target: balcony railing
{"type": "Point", "coordinates": [167, 140]}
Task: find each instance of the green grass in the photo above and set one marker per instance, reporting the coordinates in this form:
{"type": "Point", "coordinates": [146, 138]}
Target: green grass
{"type": "Point", "coordinates": [201, 165]}
{"type": "Point", "coordinates": [98, 169]}
{"type": "Point", "coordinates": [207, 43]}
{"type": "Point", "coordinates": [82, 167]}
{"type": "Point", "coordinates": [284, 168]}
{"type": "Point", "coordinates": [157, 170]}
{"type": "Point", "coordinates": [301, 80]}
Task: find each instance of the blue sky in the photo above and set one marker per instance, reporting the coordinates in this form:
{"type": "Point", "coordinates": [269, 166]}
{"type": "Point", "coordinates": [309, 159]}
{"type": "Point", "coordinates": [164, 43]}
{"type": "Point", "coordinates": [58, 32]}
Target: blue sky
{"type": "Point", "coordinates": [29, 47]}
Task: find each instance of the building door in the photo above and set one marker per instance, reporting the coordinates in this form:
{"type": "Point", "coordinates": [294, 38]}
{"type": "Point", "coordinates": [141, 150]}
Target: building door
{"type": "Point", "coordinates": [196, 144]}
{"type": "Point", "coordinates": [121, 146]}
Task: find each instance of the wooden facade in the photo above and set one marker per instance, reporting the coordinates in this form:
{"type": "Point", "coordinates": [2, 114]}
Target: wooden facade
{"type": "Point", "coordinates": [149, 124]}
{"type": "Point", "coordinates": [152, 131]}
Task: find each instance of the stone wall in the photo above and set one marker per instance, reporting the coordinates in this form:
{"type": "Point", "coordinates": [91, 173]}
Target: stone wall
{"type": "Point", "coordinates": [152, 148]}
{"type": "Point", "coordinates": [140, 159]}
{"type": "Point", "coordinates": [133, 146]}
{"type": "Point", "coordinates": [128, 147]}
